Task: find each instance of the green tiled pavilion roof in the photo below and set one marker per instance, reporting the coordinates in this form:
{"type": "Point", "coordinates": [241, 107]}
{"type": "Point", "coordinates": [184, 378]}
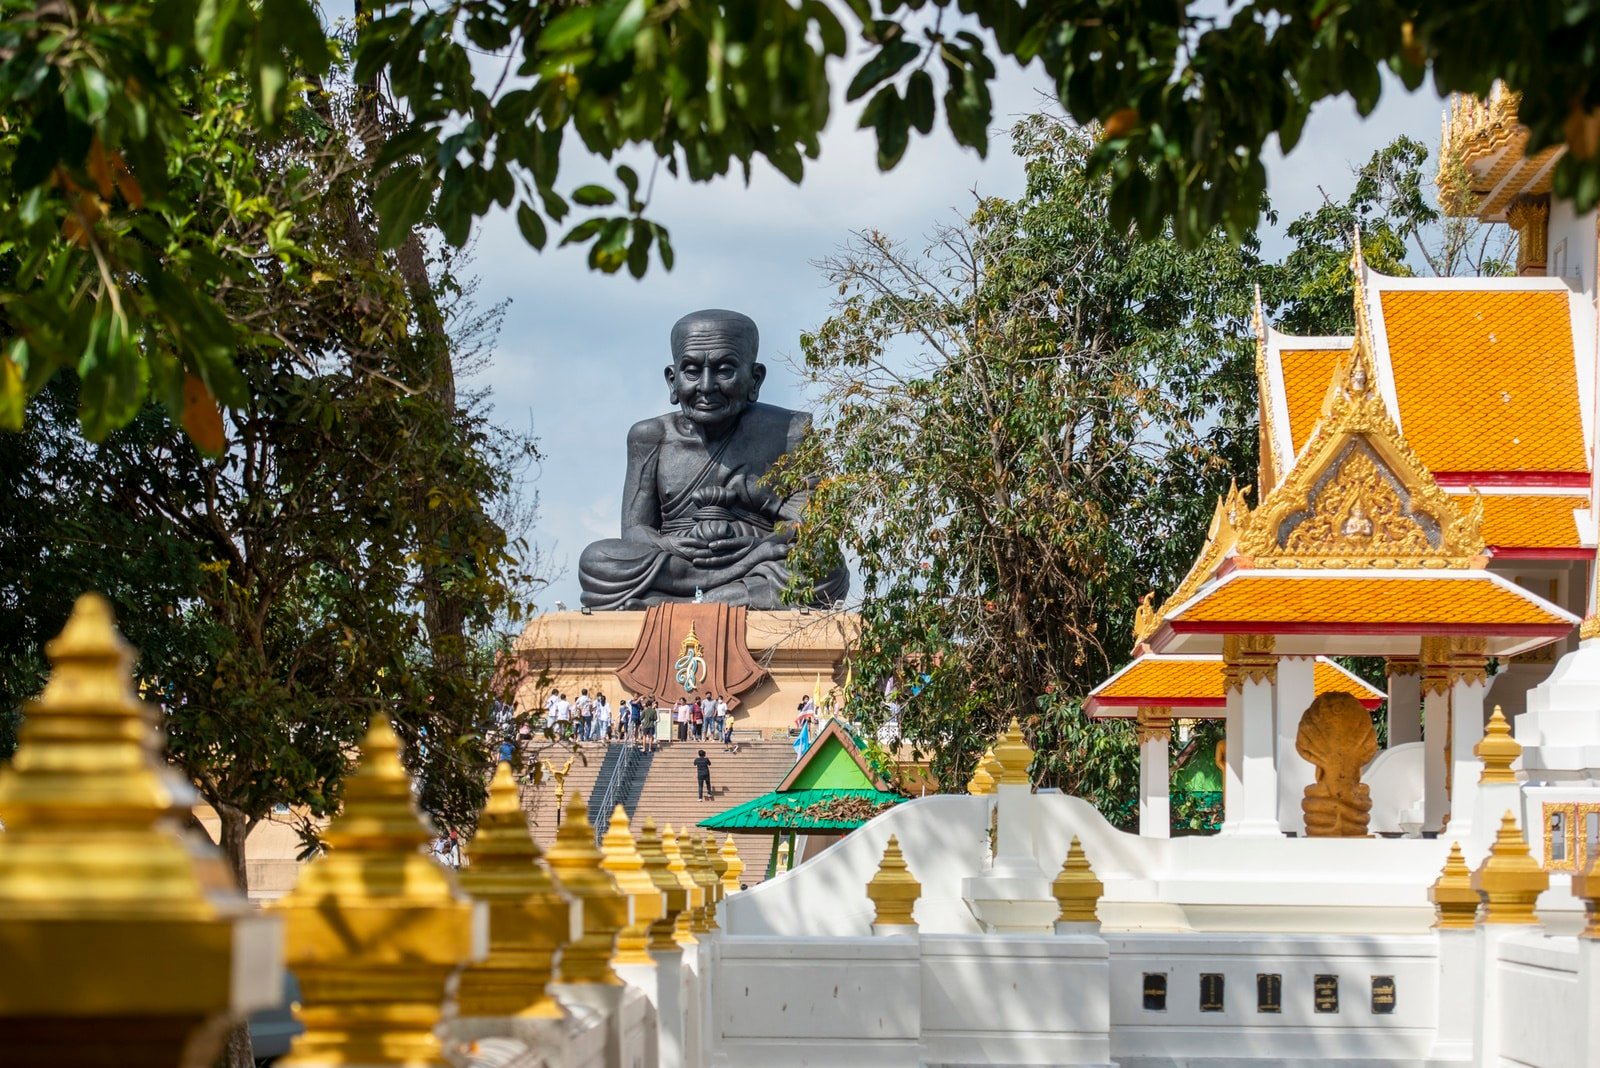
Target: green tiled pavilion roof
{"type": "Point", "coordinates": [749, 817]}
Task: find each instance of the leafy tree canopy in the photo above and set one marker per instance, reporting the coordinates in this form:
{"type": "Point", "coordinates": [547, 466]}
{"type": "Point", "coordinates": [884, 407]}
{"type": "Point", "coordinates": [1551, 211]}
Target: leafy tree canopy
{"type": "Point", "coordinates": [487, 91]}
{"type": "Point", "coordinates": [1020, 428]}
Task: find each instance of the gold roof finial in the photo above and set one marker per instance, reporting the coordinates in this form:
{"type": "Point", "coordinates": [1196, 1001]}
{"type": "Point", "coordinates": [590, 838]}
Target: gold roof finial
{"type": "Point", "coordinates": [529, 917]}
{"type": "Point", "coordinates": [1077, 889]}
{"type": "Point", "coordinates": [1015, 756]}
{"type": "Point", "coordinates": [1498, 750]}
{"type": "Point", "coordinates": [734, 869]}
{"type": "Point", "coordinates": [982, 782]}
{"type": "Point", "coordinates": [602, 908]}
{"type": "Point", "coordinates": [376, 928]}
{"type": "Point", "coordinates": [694, 894]}
{"type": "Point", "coordinates": [1509, 879]}
{"type": "Point", "coordinates": [1455, 902]}
{"type": "Point", "coordinates": [97, 880]}
{"type": "Point", "coordinates": [675, 899]}
{"type": "Point", "coordinates": [893, 891]}
{"type": "Point", "coordinates": [621, 857]}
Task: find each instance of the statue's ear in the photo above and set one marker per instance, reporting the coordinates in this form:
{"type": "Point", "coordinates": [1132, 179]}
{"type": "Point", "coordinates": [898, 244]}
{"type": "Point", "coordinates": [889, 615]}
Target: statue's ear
{"type": "Point", "coordinates": [672, 385]}
{"type": "Point", "coordinates": [758, 375]}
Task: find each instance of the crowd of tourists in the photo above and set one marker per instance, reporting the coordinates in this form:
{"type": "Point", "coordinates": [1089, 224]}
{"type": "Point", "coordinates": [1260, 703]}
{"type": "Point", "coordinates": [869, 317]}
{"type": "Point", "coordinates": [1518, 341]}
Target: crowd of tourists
{"type": "Point", "coordinates": [641, 721]}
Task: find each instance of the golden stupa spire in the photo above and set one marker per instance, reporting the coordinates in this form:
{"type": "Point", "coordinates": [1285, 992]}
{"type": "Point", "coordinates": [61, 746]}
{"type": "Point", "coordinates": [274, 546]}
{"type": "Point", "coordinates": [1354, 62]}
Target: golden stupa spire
{"type": "Point", "coordinates": [698, 860]}
{"type": "Point", "coordinates": [694, 894]}
{"type": "Point", "coordinates": [1509, 879]}
{"type": "Point", "coordinates": [675, 898]}
{"type": "Point", "coordinates": [621, 857]}
{"type": "Point", "coordinates": [1076, 888]}
{"type": "Point", "coordinates": [376, 928]}
{"type": "Point", "coordinates": [734, 867]}
{"type": "Point", "coordinates": [97, 880]}
{"type": "Point", "coordinates": [1498, 750]}
{"type": "Point", "coordinates": [1014, 755]}
{"type": "Point", "coordinates": [1455, 902]}
{"type": "Point", "coordinates": [894, 890]}
{"type": "Point", "coordinates": [529, 917]}
{"type": "Point", "coordinates": [603, 909]}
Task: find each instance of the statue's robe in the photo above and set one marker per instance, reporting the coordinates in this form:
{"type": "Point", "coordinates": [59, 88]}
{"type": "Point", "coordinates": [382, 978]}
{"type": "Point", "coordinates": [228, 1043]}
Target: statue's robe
{"type": "Point", "coordinates": [677, 488]}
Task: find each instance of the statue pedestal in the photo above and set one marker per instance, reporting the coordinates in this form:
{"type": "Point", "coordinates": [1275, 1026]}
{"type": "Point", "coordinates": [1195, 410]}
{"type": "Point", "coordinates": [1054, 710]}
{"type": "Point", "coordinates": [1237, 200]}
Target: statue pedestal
{"type": "Point", "coordinates": [801, 652]}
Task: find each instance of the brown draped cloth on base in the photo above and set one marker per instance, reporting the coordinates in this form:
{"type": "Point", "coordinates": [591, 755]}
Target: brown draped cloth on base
{"type": "Point", "coordinates": [730, 671]}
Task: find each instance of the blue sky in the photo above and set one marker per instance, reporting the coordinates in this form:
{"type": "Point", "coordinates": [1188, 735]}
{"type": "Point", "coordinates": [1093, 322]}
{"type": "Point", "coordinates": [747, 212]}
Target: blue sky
{"type": "Point", "coordinates": [580, 356]}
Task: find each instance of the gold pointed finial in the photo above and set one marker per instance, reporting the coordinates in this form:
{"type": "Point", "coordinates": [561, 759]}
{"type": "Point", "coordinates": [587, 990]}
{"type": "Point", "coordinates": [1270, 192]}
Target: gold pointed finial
{"type": "Point", "coordinates": [698, 860]}
{"type": "Point", "coordinates": [375, 929]}
{"type": "Point", "coordinates": [735, 867]}
{"type": "Point", "coordinates": [893, 891]}
{"type": "Point", "coordinates": [982, 782]}
{"type": "Point", "coordinates": [675, 899]}
{"type": "Point", "coordinates": [529, 917]}
{"type": "Point", "coordinates": [622, 859]}
{"type": "Point", "coordinates": [1077, 889]}
{"type": "Point", "coordinates": [1586, 887]}
{"type": "Point", "coordinates": [98, 881]}
{"type": "Point", "coordinates": [1498, 750]}
{"type": "Point", "coordinates": [1455, 902]}
{"type": "Point", "coordinates": [694, 894]}
{"type": "Point", "coordinates": [1014, 755]}
{"type": "Point", "coordinates": [1509, 879]}
{"type": "Point", "coordinates": [602, 908]}
{"type": "Point", "coordinates": [719, 865]}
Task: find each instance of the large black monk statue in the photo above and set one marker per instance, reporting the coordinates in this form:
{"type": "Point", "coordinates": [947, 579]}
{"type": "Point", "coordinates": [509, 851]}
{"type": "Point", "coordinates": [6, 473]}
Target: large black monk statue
{"type": "Point", "coordinates": [695, 518]}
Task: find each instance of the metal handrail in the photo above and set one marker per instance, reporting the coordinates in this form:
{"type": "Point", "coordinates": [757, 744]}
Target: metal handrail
{"type": "Point", "coordinates": [608, 800]}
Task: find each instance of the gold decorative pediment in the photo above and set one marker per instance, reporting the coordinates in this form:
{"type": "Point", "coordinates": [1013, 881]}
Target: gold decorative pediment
{"type": "Point", "coordinates": [1226, 520]}
{"type": "Point", "coordinates": [1359, 497]}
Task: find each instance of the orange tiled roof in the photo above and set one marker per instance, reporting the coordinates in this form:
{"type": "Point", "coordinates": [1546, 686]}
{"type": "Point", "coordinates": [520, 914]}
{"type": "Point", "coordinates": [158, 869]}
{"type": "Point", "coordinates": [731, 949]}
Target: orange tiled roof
{"type": "Point", "coordinates": [1306, 373]}
{"type": "Point", "coordinates": [1196, 682]}
{"type": "Point", "coordinates": [1485, 379]}
{"type": "Point", "coordinates": [1530, 521]}
{"type": "Point", "coordinates": [1266, 601]}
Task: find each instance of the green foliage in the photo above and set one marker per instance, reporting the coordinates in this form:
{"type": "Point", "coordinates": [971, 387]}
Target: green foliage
{"type": "Point", "coordinates": [1020, 433]}
{"type": "Point", "coordinates": [341, 555]}
{"type": "Point", "coordinates": [109, 272]}
{"type": "Point", "coordinates": [1188, 97]}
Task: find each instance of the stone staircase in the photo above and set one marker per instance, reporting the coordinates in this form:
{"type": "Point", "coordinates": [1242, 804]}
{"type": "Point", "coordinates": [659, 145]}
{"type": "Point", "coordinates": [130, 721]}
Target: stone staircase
{"type": "Point", "coordinates": [540, 801]}
{"type": "Point", "coordinates": [662, 787]}
{"type": "Point", "coordinates": [756, 769]}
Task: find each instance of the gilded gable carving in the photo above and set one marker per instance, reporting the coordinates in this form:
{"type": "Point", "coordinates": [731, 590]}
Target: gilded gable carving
{"type": "Point", "coordinates": [1359, 497]}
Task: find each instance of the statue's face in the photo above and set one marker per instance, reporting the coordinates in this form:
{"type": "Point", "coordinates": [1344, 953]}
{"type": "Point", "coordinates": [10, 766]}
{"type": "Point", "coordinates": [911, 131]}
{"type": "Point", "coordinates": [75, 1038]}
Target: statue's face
{"type": "Point", "coordinates": [714, 378]}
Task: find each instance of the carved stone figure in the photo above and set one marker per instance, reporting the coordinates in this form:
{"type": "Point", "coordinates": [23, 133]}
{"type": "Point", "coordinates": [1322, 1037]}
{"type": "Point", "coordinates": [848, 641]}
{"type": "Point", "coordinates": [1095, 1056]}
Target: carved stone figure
{"type": "Point", "coordinates": [696, 522]}
{"type": "Point", "coordinates": [1336, 735]}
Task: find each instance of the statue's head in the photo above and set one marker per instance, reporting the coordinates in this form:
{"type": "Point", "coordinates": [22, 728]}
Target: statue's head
{"type": "Point", "coordinates": [714, 374]}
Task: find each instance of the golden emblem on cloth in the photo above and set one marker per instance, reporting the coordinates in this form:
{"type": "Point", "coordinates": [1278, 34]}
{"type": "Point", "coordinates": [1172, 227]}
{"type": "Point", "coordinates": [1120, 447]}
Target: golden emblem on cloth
{"type": "Point", "coordinates": [690, 670]}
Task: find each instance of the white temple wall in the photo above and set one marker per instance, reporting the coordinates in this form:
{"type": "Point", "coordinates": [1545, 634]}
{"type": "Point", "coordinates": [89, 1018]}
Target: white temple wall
{"type": "Point", "coordinates": [1541, 998]}
{"type": "Point", "coordinates": [1190, 1030]}
{"type": "Point", "coordinates": [781, 1002]}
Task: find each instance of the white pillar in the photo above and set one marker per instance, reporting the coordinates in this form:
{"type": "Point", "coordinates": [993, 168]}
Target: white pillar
{"type": "Point", "coordinates": [1435, 731]}
{"type": "Point", "coordinates": [1155, 799]}
{"type": "Point", "coordinates": [1468, 685]}
{"type": "Point", "coordinates": [1252, 668]}
{"type": "Point", "coordinates": [1453, 685]}
{"type": "Point", "coordinates": [1232, 756]}
{"type": "Point", "coordinates": [1296, 689]}
{"type": "Point", "coordinates": [1405, 700]}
